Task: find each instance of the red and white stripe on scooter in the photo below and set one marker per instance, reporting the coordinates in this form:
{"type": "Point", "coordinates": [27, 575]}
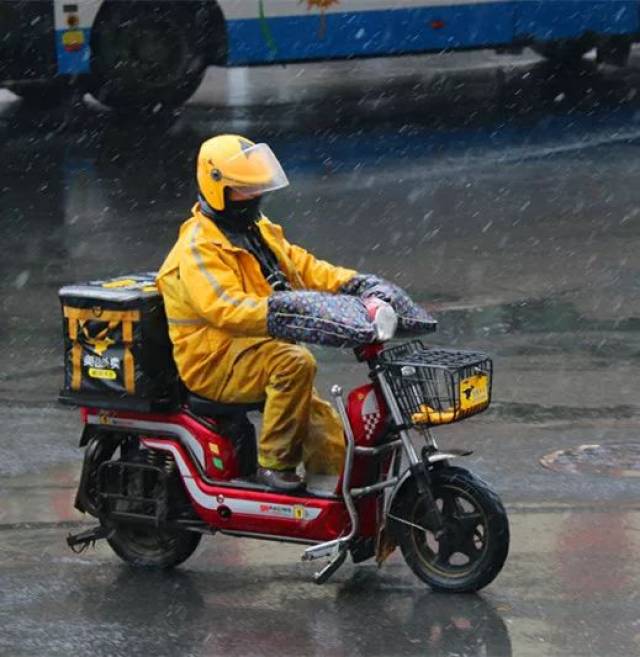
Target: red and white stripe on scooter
{"type": "Point", "coordinates": [162, 427]}
{"type": "Point", "coordinates": [248, 507]}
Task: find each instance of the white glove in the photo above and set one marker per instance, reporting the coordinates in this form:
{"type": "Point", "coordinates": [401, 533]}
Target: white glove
{"type": "Point", "coordinates": [383, 316]}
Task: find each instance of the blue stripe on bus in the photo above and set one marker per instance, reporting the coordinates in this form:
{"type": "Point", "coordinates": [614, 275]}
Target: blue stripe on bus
{"type": "Point", "coordinates": [397, 31]}
{"type": "Point", "coordinates": [73, 63]}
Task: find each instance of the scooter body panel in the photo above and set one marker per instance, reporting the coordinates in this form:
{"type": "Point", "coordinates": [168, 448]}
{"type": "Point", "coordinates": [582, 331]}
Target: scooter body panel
{"type": "Point", "coordinates": [211, 450]}
{"type": "Point", "coordinates": [255, 511]}
{"type": "Point", "coordinates": [194, 445]}
{"type": "Point", "coordinates": [367, 411]}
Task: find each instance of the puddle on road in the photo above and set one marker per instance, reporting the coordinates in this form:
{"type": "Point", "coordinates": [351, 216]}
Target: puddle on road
{"type": "Point", "coordinates": [613, 460]}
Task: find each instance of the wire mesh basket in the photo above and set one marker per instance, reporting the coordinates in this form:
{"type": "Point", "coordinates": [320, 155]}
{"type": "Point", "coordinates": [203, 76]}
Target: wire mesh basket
{"type": "Point", "coordinates": [437, 386]}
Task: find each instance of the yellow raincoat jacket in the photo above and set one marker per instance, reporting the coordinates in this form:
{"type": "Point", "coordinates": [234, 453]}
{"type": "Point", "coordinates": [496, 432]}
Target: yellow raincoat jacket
{"type": "Point", "coordinates": [215, 298]}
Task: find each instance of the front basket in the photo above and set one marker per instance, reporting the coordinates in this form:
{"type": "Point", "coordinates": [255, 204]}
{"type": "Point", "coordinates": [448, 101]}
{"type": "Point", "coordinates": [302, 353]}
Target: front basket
{"type": "Point", "coordinates": [433, 385]}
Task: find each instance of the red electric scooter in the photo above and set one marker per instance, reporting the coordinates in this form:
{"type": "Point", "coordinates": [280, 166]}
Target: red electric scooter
{"type": "Point", "coordinates": [158, 482]}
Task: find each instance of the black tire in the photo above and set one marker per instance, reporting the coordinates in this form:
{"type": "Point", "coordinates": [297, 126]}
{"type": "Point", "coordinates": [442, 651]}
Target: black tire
{"type": "Point", "coordinates": [149, 547]}
{"type": "Point", "coordinates": [614, 51]}
{"type": "Point", "coordinates": [42, 95]}
{"type": "Point", "coordinates": [475, 521]}
{"type": "Point", "coordinates": [145, 57]}
{"type": "Point", "coordinates": [564, 53]}
{"type": "Point", "coordinates": [143, 544]}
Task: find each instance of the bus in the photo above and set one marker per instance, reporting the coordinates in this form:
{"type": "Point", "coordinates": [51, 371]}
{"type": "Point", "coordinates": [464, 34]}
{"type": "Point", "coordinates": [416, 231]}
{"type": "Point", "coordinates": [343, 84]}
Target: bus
{"type": "Point", "coordinates": [135, 53]}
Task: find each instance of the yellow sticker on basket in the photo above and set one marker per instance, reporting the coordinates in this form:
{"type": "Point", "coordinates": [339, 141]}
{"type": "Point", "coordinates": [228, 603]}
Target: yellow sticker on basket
{"type": "Point", "coordinates": [102, 374]}
{"type": "Point", "coordinates": [428, 415]}
{"type": "Point", "coordinates": [121, 283]}
{"type": "Point", "coordinates": [474, 391]}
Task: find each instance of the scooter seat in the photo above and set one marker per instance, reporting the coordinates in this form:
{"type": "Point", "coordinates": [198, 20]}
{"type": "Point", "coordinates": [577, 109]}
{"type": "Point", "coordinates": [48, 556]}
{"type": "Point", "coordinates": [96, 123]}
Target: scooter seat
{"type": "Point", "coordinates": [209, 408]}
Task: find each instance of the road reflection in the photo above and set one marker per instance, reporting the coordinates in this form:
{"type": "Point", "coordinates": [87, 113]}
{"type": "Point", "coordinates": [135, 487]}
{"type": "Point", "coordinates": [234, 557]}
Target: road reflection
{"type": "Point", "coordinates": [246, 613]}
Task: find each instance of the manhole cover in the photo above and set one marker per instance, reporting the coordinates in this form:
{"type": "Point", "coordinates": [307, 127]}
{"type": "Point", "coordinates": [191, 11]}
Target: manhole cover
{"type": "Point", "coordinates": [613, 460]}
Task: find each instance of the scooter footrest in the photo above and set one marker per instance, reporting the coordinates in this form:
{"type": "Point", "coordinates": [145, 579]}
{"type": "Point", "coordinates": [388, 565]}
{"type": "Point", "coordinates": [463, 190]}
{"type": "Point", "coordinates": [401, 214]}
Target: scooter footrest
{"type": "Point", "coordinates": [323, 575]}
{"type": "Point", "coordinates": [321, 551]}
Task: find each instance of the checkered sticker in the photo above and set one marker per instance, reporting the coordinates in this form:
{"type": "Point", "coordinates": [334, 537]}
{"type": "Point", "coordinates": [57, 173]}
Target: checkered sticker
{"type": "Point", "coordinates": [370, 414]}
{"type": "Point", "coordinates": [370, 423]}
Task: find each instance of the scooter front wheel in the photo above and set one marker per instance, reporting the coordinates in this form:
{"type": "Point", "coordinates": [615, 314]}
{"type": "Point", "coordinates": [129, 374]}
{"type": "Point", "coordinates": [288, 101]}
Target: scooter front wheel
{"type": "Point", "coordinates": [472, 547]}
{"type": "Point", "coordinates": [150, 547]}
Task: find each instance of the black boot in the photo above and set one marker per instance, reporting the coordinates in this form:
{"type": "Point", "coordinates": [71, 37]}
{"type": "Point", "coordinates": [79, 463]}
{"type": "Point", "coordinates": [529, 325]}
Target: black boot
{"type": "Point", "coordinates": [283, 480]}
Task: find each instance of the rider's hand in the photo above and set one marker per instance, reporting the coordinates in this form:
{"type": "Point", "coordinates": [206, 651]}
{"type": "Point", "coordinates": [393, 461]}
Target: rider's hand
{"type": "Point", "coordinates": [383, 316]}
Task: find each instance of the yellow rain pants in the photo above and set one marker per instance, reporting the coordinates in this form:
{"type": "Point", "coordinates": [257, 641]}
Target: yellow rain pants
{"type": "Point", "coordinates": [215, 298]}
{"type": "Point", "coordinates": [297, 425]}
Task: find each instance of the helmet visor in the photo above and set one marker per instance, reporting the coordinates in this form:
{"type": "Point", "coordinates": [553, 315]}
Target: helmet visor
{"type": "Point", "coordinates": [255, 170]}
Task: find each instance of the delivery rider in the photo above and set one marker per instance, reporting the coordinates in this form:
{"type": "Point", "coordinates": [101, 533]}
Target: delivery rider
{"type": "Point", "coordinates": [216, 282]}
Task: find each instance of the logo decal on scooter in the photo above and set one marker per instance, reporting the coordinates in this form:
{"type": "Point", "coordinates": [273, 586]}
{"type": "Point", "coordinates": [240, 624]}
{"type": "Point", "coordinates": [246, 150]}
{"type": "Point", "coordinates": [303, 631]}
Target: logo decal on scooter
{"type": "Point", "coordinates": [277, 510]}
{"type": "Point", "coordinates": [104, 418]}
{"type": "Point", "coordinates": [297, 512]}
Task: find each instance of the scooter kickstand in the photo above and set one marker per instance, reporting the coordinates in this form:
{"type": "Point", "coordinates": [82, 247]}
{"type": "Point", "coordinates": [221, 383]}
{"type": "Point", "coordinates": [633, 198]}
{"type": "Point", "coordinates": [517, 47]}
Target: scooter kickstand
{"type": "Point", "coordinates": [323, 575]}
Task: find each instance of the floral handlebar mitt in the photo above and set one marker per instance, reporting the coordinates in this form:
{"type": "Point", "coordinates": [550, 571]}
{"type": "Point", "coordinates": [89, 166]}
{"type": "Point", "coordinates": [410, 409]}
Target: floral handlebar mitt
{"type": "Point", "coordinates": [411, 317]}
{"type": "Point", "coordinates": [333, 320]}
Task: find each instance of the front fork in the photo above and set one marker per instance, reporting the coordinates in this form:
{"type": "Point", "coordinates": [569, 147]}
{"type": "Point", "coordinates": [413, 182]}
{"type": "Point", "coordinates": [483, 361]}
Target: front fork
{"type": "Point", "coordinates": [417, 466]}
{"type": "Point", "coordinates": [337, 549]}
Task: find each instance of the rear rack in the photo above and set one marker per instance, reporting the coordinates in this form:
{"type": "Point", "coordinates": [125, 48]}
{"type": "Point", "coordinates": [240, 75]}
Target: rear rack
{"type": "Point", "coordinates": [133, 491]}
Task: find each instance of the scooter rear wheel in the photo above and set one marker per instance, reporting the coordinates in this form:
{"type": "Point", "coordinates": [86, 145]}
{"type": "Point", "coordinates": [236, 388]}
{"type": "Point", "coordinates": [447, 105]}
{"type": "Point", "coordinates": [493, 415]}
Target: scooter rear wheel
{"type": "Point", "coordinates": [149, 547]}
{"type": "Point", "coordinates": [474, 546]}
{"type": "Point", "coordinates": [142, 543]}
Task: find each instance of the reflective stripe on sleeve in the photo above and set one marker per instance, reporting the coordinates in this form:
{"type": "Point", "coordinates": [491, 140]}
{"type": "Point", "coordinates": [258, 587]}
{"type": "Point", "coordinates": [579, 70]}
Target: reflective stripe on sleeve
{"type": "Point", "coordinates": [186, 322]}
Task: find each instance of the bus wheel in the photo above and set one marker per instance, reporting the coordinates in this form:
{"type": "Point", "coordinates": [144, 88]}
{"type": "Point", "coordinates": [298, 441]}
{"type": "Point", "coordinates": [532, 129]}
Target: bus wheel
{"type": "Point", "coordinates": [144, 57]}
{"type": "Point", "coordinates": [567, 52]}
{"type": "Point", "coordinates": [42, 95]}
{"type": "Point", "coordinates": [614, 51]}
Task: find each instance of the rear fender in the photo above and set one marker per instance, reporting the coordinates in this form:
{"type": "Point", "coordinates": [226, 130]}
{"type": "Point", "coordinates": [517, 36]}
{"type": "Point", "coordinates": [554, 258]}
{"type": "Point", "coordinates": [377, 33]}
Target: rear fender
{"type": "Point", "coordinates": [100, 446]}
{"type": "Point", "coordinates": [98, 431]}
{"type": "Point", "coordinates": [88, 433]}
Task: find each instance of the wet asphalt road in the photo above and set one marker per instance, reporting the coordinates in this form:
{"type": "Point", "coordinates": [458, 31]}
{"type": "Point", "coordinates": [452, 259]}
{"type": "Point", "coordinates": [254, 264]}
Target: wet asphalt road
{"type": "Point", "coordinates": [502, 194]}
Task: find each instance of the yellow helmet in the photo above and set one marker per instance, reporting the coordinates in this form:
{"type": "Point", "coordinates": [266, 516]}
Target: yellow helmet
{"type": "Point", "coordinates": [234, 162]}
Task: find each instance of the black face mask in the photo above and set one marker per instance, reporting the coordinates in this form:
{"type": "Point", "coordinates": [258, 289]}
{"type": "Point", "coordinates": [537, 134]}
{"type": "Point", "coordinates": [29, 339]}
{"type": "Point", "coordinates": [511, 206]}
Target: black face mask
{"type": "Point", "coordinates": [237, 216]}
{"type": "Point", "coordinates": [243, 213]}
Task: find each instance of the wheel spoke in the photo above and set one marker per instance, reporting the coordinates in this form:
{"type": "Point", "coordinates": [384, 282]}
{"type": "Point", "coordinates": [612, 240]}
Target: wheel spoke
{"type": "Point", "coordinates": [470, 548]}
{"type": "Point", "coordinates": [461, 533]}
{"type": "Point", "coordinates": [469, 533]}
{"type": "Point", "coordinates": [445, 550]}
{"type": "Point", "coordinates": [450, 507]}
{"type": "Point", "coordinates": [468, 522]}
